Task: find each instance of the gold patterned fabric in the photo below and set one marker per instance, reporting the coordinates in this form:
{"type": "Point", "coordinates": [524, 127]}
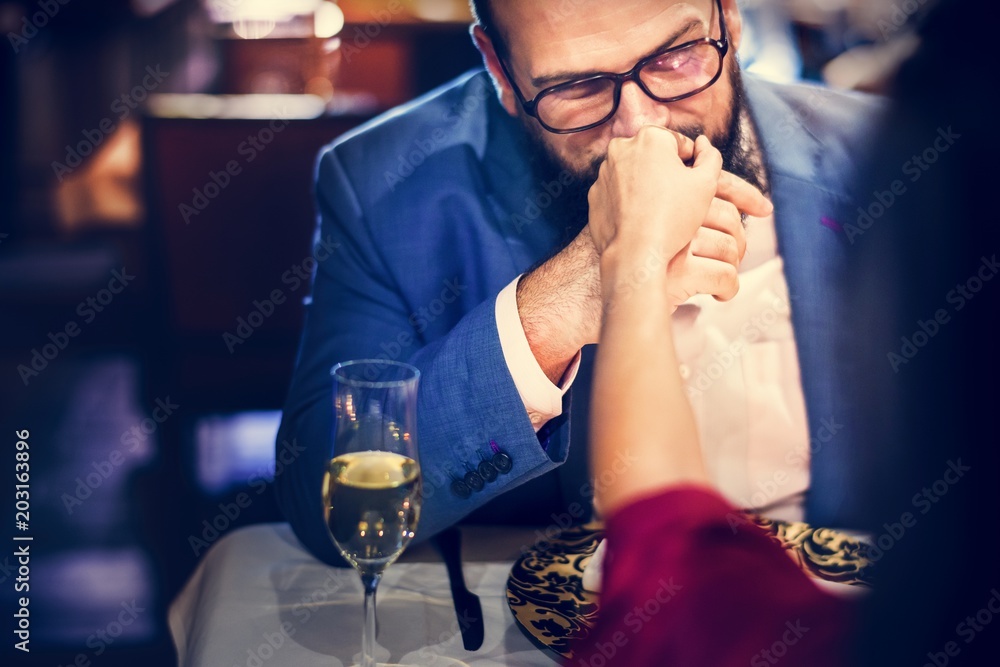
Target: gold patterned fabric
{"type": "Point", "coordinates": [546, 596]}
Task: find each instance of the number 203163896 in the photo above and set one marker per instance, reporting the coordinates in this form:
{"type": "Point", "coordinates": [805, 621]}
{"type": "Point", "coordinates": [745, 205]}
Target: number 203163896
{"type": "Point", "coordinates": [22, 478]}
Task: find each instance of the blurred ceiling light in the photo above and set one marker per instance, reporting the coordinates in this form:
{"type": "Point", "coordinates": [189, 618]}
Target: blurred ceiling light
{"type": "Point", "coordinates": [254, 106]}
{"type": "Point", "coordinates": [255, 19]}
{"type": "Point", "coordinates": [253, 28]}
{"type": "Point", "coordinates": [328, 20]}
{"type": "Point", "coordinates": [441, 10]}
{"type": "Point", "coordinates": [228, 11]}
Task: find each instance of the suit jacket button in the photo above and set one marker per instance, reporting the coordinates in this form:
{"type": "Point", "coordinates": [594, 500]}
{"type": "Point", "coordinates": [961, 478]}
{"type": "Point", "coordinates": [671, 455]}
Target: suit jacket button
{"type": "Point", "coordinates": [487, 471]}
{"type": "Point", "coordinates": [474, 481]}
{"type": "Point", "coordinates": [502, 462]}
{"type": "Point", "coordinates": [461, 489]}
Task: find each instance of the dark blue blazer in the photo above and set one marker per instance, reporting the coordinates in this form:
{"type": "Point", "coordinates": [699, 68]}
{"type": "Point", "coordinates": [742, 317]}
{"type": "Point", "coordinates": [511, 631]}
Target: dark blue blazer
{"type": "Point", "coordinates": [434, 210]}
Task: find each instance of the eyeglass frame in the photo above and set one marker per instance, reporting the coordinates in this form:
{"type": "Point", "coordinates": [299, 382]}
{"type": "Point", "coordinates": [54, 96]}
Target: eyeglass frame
{"type": "Point", "coordinates": [531, 106]}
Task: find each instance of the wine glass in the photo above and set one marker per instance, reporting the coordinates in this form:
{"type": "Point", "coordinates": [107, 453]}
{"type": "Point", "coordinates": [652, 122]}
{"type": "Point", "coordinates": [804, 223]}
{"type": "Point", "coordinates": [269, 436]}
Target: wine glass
{"type": "Point", "coordinates": [372, 484]}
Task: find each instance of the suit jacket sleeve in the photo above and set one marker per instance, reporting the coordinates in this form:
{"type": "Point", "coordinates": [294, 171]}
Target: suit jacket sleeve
{"type": "Point", "coordinates": [363, 306]}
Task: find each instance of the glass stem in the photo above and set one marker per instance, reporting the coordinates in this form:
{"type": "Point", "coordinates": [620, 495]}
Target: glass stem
{"type": "Point", "coordinates": [370, 582]}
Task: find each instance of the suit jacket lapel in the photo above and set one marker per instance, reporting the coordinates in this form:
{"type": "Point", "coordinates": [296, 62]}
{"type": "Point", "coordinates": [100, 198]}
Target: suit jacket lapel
{"type": "Point", "coordinates": [808, 194]}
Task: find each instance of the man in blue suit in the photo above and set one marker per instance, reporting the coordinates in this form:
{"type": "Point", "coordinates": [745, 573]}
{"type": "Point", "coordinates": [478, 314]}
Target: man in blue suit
{"type": "Point", "coordinates": [463, 249]}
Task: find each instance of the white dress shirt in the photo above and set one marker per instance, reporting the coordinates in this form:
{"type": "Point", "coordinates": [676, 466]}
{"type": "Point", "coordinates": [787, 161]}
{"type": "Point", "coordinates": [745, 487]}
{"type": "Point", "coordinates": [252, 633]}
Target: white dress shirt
{"type": "Point", "coordinates": [740, 366]}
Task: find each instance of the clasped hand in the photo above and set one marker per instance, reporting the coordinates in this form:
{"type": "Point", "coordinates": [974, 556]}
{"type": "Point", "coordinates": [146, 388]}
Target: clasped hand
{"type": "Point", "coordinates": [647, 208]}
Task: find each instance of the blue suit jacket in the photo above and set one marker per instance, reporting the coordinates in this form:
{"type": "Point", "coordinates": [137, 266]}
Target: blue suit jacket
{"type": "Point", "coordinates": [434, 211]}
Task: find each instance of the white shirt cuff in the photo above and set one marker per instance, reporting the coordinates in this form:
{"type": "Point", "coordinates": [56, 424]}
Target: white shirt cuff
{"type": "Point", "coordinates": [541, 398]}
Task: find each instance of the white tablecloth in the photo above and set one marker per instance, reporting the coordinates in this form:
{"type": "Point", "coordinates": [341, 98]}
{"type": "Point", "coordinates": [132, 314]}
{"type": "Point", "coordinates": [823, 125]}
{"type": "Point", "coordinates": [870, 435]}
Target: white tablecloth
{"type": "Point", "coordinates": [259, 599]}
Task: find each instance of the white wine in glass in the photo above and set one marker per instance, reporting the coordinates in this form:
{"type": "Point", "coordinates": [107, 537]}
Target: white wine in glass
{"type": "Point", "coordinates": [372, 502]}
{"type": "Point", "coordinates": [371, 487]}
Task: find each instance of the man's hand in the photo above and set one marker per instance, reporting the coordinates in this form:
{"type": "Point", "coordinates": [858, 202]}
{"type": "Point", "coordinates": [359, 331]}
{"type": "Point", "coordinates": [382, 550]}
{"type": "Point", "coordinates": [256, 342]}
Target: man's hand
{"type": "Point", "coordinates": [646, 201]}
{"type": "Point", "coordinates": [650, 185]}
{"type": "Point", "coordinates": [560, 301]}
{"type": "Point", "coordinates": [709, 264]}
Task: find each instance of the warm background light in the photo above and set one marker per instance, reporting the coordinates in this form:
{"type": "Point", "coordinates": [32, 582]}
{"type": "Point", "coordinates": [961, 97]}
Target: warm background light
{"type": "Point", "coordinates": [328, 20]}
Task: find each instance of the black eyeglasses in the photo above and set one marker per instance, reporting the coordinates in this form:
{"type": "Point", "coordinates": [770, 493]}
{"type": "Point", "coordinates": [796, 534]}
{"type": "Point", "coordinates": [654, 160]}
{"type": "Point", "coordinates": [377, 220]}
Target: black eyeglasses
{"type": "Point", "coordinates": [668, 76]}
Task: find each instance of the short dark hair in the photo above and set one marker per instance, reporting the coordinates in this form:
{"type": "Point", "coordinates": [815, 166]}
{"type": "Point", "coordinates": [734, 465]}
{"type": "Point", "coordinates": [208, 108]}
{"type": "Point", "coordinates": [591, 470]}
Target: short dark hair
{"type": "Point", "coordinates": [482, 11]}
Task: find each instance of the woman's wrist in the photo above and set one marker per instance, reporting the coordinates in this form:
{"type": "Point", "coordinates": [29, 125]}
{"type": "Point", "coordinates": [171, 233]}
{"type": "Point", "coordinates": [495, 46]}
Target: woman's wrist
{"type": "Point", "coordinates": [632, 268]}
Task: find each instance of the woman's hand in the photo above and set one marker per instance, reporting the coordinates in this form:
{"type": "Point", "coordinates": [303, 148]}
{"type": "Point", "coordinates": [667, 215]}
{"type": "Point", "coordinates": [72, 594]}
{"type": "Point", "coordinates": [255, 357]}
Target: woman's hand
{"type": "Point", "coordinates": [646, 201]}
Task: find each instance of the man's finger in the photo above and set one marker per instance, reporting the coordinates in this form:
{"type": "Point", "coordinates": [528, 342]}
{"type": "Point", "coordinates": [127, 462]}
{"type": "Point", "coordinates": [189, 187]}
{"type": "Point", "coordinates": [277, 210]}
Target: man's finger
{"type": "Point", "coordinates": [746, 197]}
{"type": "Point", "coordinates": [723, 216]}
{"type": "Point", "coordinates": [707, 157]}
{"type": "Point", "coordinates": [710, 276]}
{"type": "Point", "coordinates": [685, 146]}
{"type": "Point", "coordinates": [713, 244]}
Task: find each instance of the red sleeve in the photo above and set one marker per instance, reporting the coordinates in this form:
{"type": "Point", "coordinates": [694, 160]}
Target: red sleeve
{"type": "Point", "coordinates": [686, 583]}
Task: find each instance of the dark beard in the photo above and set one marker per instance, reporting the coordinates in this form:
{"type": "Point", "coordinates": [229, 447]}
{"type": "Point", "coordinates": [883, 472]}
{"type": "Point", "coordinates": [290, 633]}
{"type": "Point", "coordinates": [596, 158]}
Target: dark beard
{"type": "Point", "coordinates": [571, 211]}
{"type": "Point", "coordinates": [740, 154]}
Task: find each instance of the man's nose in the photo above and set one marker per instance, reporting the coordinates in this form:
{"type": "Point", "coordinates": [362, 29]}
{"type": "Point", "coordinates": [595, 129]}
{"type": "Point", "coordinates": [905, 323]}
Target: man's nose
{"type": "Point", "coordinates": [637, 109]}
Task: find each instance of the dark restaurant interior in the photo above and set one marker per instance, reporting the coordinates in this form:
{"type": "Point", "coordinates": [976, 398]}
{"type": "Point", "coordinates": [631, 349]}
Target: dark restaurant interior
{"type": "Point", "coordinates": [156, 220]}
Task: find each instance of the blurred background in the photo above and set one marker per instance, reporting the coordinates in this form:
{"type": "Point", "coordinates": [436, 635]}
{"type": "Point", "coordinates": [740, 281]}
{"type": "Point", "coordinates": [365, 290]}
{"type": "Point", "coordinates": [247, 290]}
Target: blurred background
{"type": "Point", "coordinates": [156, 220]}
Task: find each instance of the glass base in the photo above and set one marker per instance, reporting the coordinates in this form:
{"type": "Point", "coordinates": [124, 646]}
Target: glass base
{"type": "Point", "coordinates": [426, 657]}
{"type": "Point", "coordinates": [437, 661]}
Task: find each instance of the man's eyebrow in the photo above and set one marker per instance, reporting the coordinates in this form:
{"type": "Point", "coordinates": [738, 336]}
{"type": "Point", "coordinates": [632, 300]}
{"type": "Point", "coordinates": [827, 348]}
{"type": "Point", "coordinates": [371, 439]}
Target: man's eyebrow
{"type": "Point", "coordinates": [558, 77]}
